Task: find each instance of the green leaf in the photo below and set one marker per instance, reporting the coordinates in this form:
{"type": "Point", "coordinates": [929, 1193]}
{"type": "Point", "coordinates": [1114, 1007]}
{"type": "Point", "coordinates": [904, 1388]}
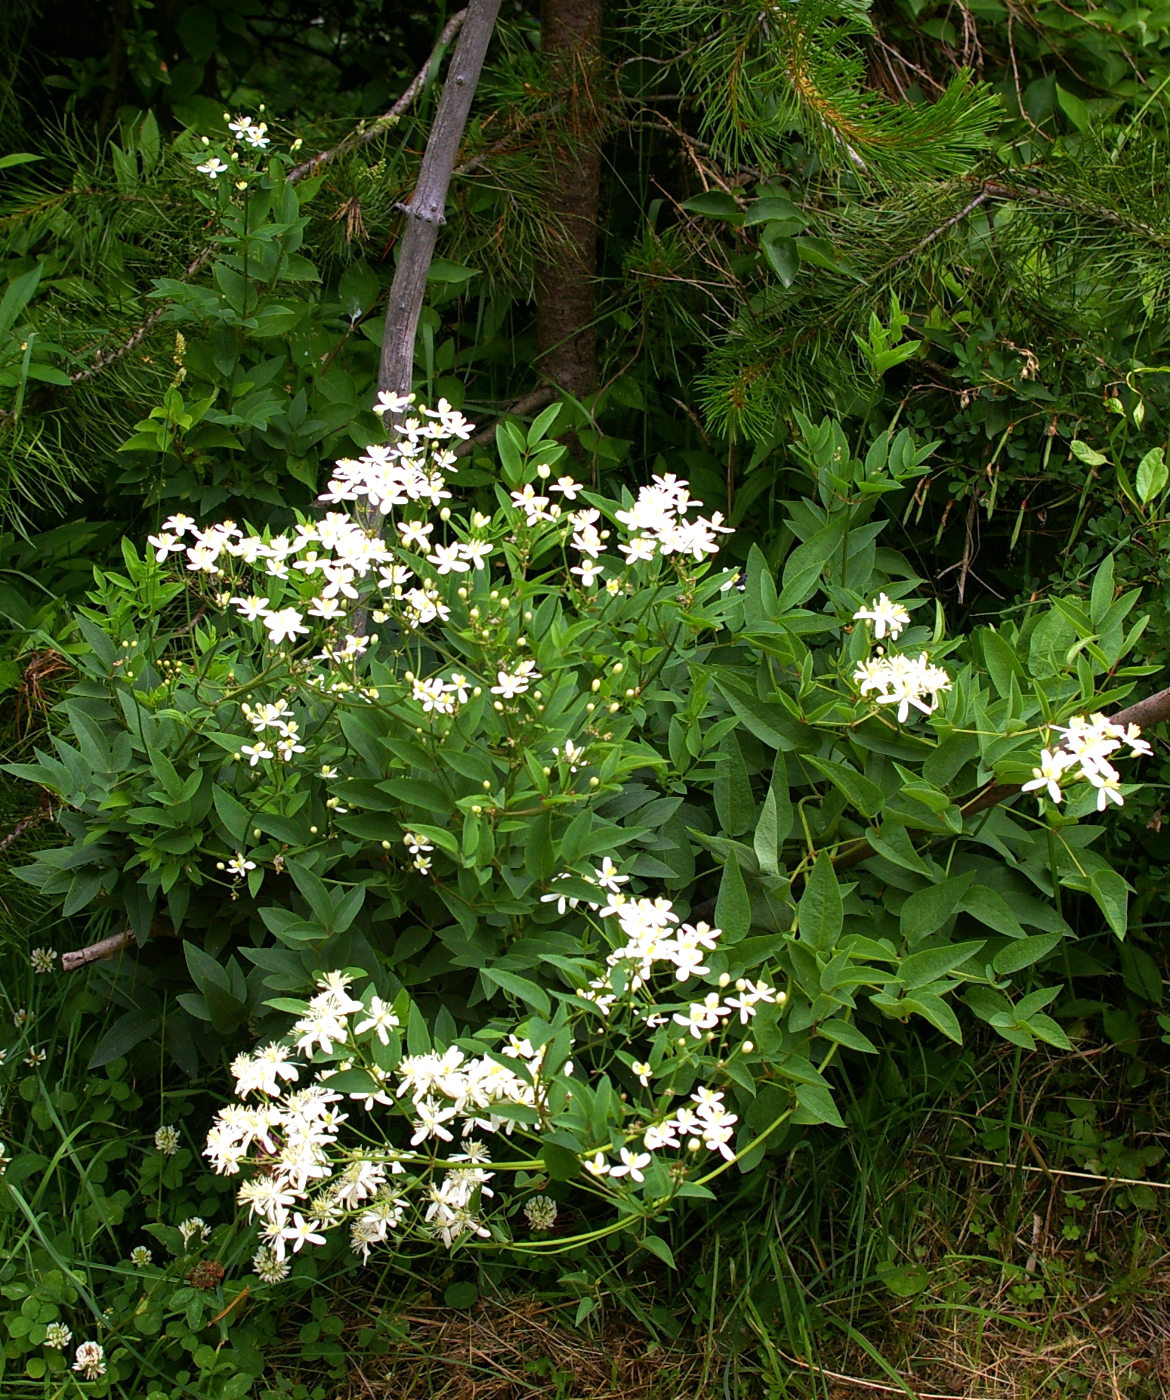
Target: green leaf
{"type": "Point", "coordinates": [904, 1280]}
{"type": "Point", "coordinates": [893, 841]}
{"type": "Point", "coordinates": [780, 253]}
{"type": "Point", "coordinates": [660, 1249]}
{"type": "Point", "coordinates": [846, 1033]}
{"type": "Point", "coordinates": [820, 911]}
{"type": "Point", "coordinates": [561, 1163]}
{"type": "Point", "coordinates": [1023, 952]}
{"type": "Point", "coordinates": [232, 813]}
{"type": "Point", "coordinates": [715, 204]}
{"type": "Point", "coordinates": [862, 793]}
{"type": "Point", "coordinates": [930, 964]}
{"type": "Point", "coordinates": [735, 806]}
{"type": "Point", "coordinates": [928, 909]}
{"type": "Point", "coordinates": [991, 909]}
{"type": "Point", "coordinates": [816, 1106]}
{"type": "Point", "coordinates": [461, 1295]}
{"type": "Point", "coordinates": [937, 1012]}
{"type": "Point", "coordinates": [733, 908]}
{"type": "Point", "coordinates": [1152, 475]}
{"type": "Point", "coordinates": [129, 1030]}
{"type": "Point", "coordinates": [765, 721]}
{"type": "Point", "coordinates": [205, 971]}
{"type": "Point", "coordinates": [520, 987]}
{"type": "Point", "coordinates": [1001, 661]}
{"type": "Point", "coordinates": [1084, 453]}
{"type": "Point", "coordinates": [775, 820]}
{"type": "Point", "coordinates": [1111, 893]}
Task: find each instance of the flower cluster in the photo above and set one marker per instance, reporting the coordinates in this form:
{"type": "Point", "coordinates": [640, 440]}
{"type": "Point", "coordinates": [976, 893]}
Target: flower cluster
{"type": "Point", "coordinates": [898, 680]}
{"type": "Point", "coordinates": [1083, 752]}
{"type": "Point", "coordinates": [317, 1163]}
{"type": "Point", "coordinates": [251, 134]}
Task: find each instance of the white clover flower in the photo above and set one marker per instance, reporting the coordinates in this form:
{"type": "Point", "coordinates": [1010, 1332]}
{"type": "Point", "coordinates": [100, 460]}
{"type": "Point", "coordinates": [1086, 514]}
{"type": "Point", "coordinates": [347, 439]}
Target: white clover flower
{"type": "Point", "coordinates": [194, 1228]}
{"type": "Point", "coordinates": [90, 1361]}
{"type": "Point", "coordinates": [42, 960]}
{"type": "Point", "coordinates": [166, 1141]}
{"type": "Point", "coordinates": [140, 1256]}
{"type": "Point", "coordinates": [268, 1266]}
{"type": "Point", "coordinates": [58, 1336]}
{"type": "Point", "coordinates": [886, 616]}
{"type": "Point", "coordinates": [541, 1212]}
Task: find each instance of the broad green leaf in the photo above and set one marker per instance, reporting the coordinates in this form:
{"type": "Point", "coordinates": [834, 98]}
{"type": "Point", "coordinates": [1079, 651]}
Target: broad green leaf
{"type": "Point", "coordinates": [937, 1012]}
{"type": "Point", "coordinates": [520, 987]}
{"type": "Point", "coordinates": [816, 1106]}
{"type": "Point", "coordinates": [660, 1249]}
{"type": "Point", "coordinates": [928, 909]}
{"type": "Point", "coordinates": [904, 1280]}
{"type": "Point", "coordinates": [1111, 893]}
{"type": "Point", "coordinates": [920, 969]}
{"type": "Point", "coordinates": [847, 1034]}
{"type": "Point", "coordinates": [775, 820]}
{"type": "Point", "coordinates": [733, 909]}
{"type": "Point", "coordinates": [1152, 475]}
{"type": "Point", "coordinates": [863, 794]}
{"type": "Point", "coordinates": [735, 806]}
{"type": "Point", "coordinates": [820, 912]}
{"type": "Point", "coordinates": [1023, 952]}
{"type": "Point", "coordinates": [893, 841]}
{"type": "Point", "coordinates": [991, 909]}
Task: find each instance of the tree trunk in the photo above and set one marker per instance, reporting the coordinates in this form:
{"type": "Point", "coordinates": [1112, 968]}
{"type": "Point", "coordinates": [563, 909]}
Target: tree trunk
{"type": "Point", "coordinates": [565, 335]}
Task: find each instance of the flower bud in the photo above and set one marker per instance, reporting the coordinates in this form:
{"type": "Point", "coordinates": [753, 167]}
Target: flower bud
{"type": "Point", "coordinates": [747, 1047]}
{"type": "Point", "coordinates": [595, 685]}
{"type": "Point", "coordinates": [724, 980]}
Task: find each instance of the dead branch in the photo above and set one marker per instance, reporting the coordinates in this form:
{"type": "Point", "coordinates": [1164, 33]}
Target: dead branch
{"type": "Point", "coordinates": [104, 948]}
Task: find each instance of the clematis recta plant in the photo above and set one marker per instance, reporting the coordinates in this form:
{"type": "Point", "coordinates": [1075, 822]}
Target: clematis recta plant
{"type": "Point", "coordinates": [619, 847]}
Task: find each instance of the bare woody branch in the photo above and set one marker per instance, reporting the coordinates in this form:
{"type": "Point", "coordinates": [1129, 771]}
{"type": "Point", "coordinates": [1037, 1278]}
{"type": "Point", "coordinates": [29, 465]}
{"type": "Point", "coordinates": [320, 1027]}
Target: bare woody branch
{"type": "Point", "coordinates": [106, 948]}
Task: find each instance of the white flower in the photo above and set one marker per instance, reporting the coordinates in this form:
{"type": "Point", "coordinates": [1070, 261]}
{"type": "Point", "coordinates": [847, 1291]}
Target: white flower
{"type": "Point", "coordinates": [238, 866]}
{"type": "Point", "coordinates": [211, 168]}
{"type": "Point", "coordinates": [42, 959]}
{"type": "Point", "coordinates": [255, 752]}
{"type": "Point", "coordinates": [285, 625]}
{"type": "Point", "coordinates": [393, 403]}
{"type": "Point", "coordinates": [903, 681]}
{"type": "Point", "coordinates": [268, 1266]}
{"type": "Point", "coordinates": [631, 1164]}
{"type": "Point", "coordinates": [57, 1336]}
{"type": "Point", "coordinates": [90, 1360]}
{"type": "Point", "coordinates": [302, 1231]}
{"type": "Point", "coordinates": [597, 1165]}
{"type": "Point", "coordinates": [886, 616]}
{"type": "Point", "coordinates": [140, 1256]}
{"type": "Point", "coordinates": [541, 1212]}
{"type": "Point", "coordinates": [166, 1141]}
{"type": "Point", "coordinates": [381, 1020]}
{"type": "Point", "coordinates": [1053, 763]}
{"type": "Point", "coordinates": [609, 877]}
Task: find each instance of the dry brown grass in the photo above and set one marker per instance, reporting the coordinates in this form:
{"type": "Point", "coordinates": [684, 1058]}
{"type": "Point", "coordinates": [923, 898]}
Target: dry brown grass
{"type": "Point", "coordinates": [522, 1350]}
